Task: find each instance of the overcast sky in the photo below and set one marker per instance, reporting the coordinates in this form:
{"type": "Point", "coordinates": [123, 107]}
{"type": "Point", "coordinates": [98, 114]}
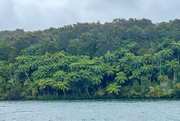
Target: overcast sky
{"type": "Point", "coordinates": [32, 15]}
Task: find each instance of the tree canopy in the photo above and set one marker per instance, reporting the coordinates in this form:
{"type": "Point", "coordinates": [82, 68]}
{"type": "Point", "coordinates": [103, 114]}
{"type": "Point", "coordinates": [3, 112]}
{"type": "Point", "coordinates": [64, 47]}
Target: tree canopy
{"type": "Point", "coordinates": [132, 58]}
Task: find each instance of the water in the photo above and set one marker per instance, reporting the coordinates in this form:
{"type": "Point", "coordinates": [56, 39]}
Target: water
{"type": "Point", "coordinates": [91, 110]}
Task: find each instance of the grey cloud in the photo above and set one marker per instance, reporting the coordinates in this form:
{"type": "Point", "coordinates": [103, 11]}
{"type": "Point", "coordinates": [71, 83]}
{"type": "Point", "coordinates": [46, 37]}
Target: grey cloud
{"type": "Point", "coordinates": [42, 14]}
{"type": "Point", "coordinates": [7, 14]}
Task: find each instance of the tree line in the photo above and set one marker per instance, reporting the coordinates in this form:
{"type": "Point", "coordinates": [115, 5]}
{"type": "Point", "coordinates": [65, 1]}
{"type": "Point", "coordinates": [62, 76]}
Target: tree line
{"type": "Point", "coordinates": [132, 58]}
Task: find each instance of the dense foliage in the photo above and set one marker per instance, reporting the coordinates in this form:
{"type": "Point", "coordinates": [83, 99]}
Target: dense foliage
{"type": "Point", "coordinates": [120, 59]}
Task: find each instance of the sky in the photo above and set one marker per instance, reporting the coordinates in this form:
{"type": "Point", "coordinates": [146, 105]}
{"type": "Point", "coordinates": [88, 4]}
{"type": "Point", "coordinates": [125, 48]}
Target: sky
{"type": "Point", "coordinates": [33, 15]}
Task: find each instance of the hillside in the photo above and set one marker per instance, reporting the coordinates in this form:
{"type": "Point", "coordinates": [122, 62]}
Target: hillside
{"type": "Point", "coordinates": [132, 58]}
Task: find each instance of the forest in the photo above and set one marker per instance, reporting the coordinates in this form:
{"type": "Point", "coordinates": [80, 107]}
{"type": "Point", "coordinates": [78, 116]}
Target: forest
{"type": "Point", "coordinates": [132, 58]}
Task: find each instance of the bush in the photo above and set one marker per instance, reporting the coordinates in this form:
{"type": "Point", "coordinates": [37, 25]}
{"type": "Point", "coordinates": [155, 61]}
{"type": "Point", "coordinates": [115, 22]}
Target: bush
{"type": "Point", "coordinates": [155, 92]}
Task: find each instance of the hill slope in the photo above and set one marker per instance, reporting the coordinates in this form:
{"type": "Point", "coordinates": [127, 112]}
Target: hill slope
{"type": "Point", "coordinates": [124, 58]}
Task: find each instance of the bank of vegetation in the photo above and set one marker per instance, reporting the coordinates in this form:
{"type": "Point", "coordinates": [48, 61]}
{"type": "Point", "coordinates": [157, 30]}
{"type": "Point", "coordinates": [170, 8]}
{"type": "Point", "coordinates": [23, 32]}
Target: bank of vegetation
{"type": "Point", "coordinates": [132, 58]}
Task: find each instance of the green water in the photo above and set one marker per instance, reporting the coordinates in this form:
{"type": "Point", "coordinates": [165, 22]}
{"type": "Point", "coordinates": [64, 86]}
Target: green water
{"type": "Point", "coordinates": [91, 110]}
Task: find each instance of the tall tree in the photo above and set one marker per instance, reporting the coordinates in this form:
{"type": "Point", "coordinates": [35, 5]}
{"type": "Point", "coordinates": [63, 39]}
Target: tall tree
{"type": "Point", "coordinates": [113, 89]}
{"type": "Point", "coordinates": [172, 67]}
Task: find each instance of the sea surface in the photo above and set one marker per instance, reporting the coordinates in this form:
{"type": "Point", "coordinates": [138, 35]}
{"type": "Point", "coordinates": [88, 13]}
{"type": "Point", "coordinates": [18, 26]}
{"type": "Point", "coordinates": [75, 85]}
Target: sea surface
{"type": "Point", "coordinates": [90, 110]}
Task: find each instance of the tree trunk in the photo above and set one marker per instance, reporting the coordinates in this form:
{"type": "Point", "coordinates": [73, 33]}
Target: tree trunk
{"type": "Point", "coordinates": [152, 70]}
{"type": "Point", "coordinates": [28, 77]}
{"type": "Point", "coordinates": [48, 90]}
{"type": "Point", "coordinates": [160, 68]}
{"type": "Point", "coordinates": [106, 80]}
{"type": "Point", "coordinates": [114, 96]}
{"type": "Point", "coordinates": [96, 87]}
{"type": "Point", "coordinates": [174, 77]}
{"type": "Point", "coordinates": [64, 94]}
{"type": "Point", "coordinates": [178, 57]}
{"type": "Point", "coordinates": [178, 69]}
{"type": "Point", "coordinates": [57, 92]}
{"type": "Point", "coordinates": [73, 92]}
{"type": "Point", "coordinates": [11, 78]}
{"type": "Point", "coordinates": [88, 92]}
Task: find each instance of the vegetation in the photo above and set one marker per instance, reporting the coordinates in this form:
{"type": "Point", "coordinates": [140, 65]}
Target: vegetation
{"type": "Point", "coordinates": [120, 59]}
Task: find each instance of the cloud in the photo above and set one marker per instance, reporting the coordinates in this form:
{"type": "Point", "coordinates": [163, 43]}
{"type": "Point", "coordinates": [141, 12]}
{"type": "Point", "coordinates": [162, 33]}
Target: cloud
{"type": "Point", "coordinates": [42, 14]}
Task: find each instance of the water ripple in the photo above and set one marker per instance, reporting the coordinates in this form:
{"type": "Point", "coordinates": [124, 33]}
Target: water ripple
{"type": "Point", "coordinates": [87, 110]}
